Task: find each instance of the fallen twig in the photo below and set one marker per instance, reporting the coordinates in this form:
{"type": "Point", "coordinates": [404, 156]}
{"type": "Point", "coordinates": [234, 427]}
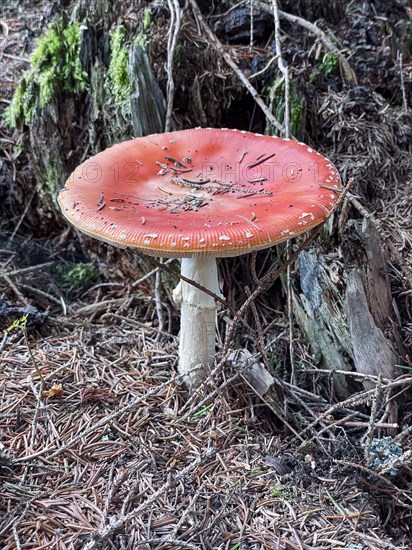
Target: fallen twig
{"type": "Point", "coordinates": [348, 72]}
{"type": "Point", "coordinates": [115, 524]}
{"type": "Point", "coordinates": [219, 47]}
{"type": "Point", "coordinates": [175, 18]}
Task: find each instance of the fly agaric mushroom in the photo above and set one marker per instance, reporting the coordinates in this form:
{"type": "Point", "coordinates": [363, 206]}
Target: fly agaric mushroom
{"type": "Point", "coordinates": [198, 195]}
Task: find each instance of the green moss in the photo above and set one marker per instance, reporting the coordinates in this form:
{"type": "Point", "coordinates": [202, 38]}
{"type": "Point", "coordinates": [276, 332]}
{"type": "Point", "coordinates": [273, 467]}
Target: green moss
{"type": "Point", "coordinates": [329, 64]}
{"type": "Point", "coordinates": [280, 492]}
{"type": "Point", "coordinates": [297, 106]}
{"type": "Point", "coordinates": [146, 22]}
{"type": "Point", "coordinates": [55, 66]}
{"type": "Point", "coordinates": [14, 112]}
{"type": "Point", "coordinates": [180, 54]}
{"type": "Point", "coordinates": [118, 73]}
{"type": "Point", "coordinates": [49, 182]}
{"type": "Point", "coordinates": [141, 40]}
{"type": "Point", "coordinates": [276, 365]}
{"type": "Point", "coordinates": [77, 277]}
{"type": "Point", "coordinates": [297, 113]}
{"type": "Point", "coordinates": [147, 19]}
{"type": "Point", "coordinates": [312, 77]}
{"type": "Point", "coordinates": [118, 80]}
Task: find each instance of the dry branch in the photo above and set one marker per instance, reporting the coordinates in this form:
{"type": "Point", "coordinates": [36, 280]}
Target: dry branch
{"type": "Point", "coordinates": [229, 60]}
{"type": "Point", "coordinates": [348, 72]}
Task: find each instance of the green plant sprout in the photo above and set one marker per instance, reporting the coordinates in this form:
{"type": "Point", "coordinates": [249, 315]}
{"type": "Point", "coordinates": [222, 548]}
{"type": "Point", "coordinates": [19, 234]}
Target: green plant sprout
{"type": "Point", "coordinates": [277, 492]}
{"type": "Point", "coordinates": [405, 367]}
{"type": "Point", "coordinates": [21, 324]}
{"type": "Point", "coordinates": [18, 323]}
{"type": "Point", "coordinates": [203, 412]}
{"type": "Point", "coordinates": [329, 64]}
{"type": "Point", "coordinates": [180, 54]}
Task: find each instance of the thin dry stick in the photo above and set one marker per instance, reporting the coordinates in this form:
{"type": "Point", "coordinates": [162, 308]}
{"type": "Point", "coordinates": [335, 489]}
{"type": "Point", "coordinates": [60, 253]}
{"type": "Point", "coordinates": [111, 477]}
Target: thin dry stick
{"type": "Point", "coordinates": [41, 293]}
{"type": "Point", "coordinates": [26, 270]}
{"type": "Point", "coordinates": [103, 422]}
{"type": "Point", "coordinates": [22, 216]}
{"type": "Point", "coordinates": [259, 332]}
{"type": "Point", "coordinates": [13, 518]}
{"type": "Point", "coordinates": [16, 538]}
{"type": "Point", "coordinates": [115, 524]}
{"type": "Point", "coordinates": [4, 340]}
{"type": "Point", "coordinates": [285, 71]}
{"type": "Point", "coordinates": [251, 25]}
{"type": "Point", "coordinates": [404, 459]}
{"type": "Point", "coordinates": [404, 100]}
{"type": "Point", "coordinates": [348, 72]}
{"type": "Point", "coordinates": [114, 485]}
{"type": "Point", "coordinates": [403, 436]}
{"type": "Point", "coordinates": [153, 272]}
{"type": "Point", "coordinates": [208, 398]}
{"type": "Point", "coordinates": [188, 509]}
{"type": "Point", "coordinates": [176, 275]}
{"type": "Point", "coordinates": [282, 66]}
{"type": "Point", "coordinates": [370, 472]}
{"type": "Point", "coordinates": [14, 288]}
{"type": "Point", "coordinates": [175, 19]}
{"type": "Point", "coordinates": [357, 399]}
{"type": "Point", "coordinates": [360, 424]}
{"type": "Point", "coordinates": [265, 68]}
{"type": "Point", "coordinates": [219, 47]}
{"type": "Point", "coordinates": [158, 302]}
{"type": "Point", "coordinates": [372, 421]}
{"type": "Point", "coordinates": [37, 395]}
{"type": "Point", "coordinates": [362, 210]}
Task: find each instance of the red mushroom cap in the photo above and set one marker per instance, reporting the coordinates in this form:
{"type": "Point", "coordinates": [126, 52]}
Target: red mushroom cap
{"type": "Point", "coordinates": [201, 191]}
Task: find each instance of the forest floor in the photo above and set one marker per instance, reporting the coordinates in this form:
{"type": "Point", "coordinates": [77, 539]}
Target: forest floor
{"type": "Point", "coordinates": [100, 445]}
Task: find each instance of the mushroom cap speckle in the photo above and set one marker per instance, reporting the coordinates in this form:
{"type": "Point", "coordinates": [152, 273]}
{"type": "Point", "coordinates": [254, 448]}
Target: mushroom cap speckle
{"type": "Point", "coordinates": [216, 192]}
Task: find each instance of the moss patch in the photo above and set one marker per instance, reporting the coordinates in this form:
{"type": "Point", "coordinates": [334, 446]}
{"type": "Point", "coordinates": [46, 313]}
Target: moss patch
{"type": "Point", "coordinates": [329, 64]}
{"type": "Point", "coordinates": [142, 39]}
{"type": "Point", "coordinates": [118, 73]}
{"type": "Point", "coordinates": [297, 106]}
{"type": "Point", "coordinates": [55, 66]}
{"type": "Point", "coordinates": [77, 277]}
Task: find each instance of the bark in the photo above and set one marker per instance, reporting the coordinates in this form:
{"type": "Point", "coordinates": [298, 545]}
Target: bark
{"type": "Point", "coordinates": [319, 312]}
{"type": "Point", "coordinates": [361, 329]}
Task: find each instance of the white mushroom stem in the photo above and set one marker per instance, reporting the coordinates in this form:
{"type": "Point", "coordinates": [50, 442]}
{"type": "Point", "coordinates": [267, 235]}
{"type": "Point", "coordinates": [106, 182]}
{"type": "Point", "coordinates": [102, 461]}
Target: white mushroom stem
{"type": "Point", "coordinates": [197, 344]}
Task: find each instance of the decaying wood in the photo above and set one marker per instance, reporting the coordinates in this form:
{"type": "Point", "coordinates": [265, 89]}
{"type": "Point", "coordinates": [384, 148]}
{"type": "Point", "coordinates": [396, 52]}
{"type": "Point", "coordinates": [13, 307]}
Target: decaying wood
{"type": "Point", "coordinates": [318, 310]}
{"type": "Point", "coordinates": [367, 254]}
{"type": "Point", "coordinates": [253, 371]}
{"type": "Point", "coordinates": [371, 309]}
{"type": "Point", "coordinates": [147, 101]}
{"type": "Point", "coordinates": [266, 386]}
{"type": "Point", "coordinates": [371, 351]}
{"type": "Point", "coordinates": [370, 335]}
